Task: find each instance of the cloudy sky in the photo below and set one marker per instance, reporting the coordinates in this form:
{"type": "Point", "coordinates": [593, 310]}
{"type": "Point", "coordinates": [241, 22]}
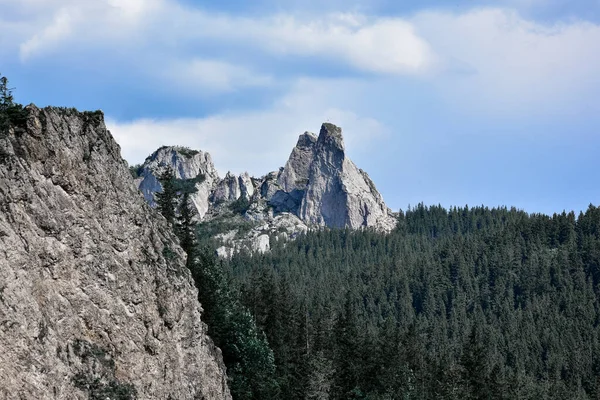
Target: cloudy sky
{"type": "Point", "coordinates": [463, 102]}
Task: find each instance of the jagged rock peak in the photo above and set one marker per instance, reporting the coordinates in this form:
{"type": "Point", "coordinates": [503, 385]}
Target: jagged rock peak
{"type": "Point", "coordinates": [307, 139]}
{"type": "Point", "coordinates": [96, 300]}
{"type": "Point", "coordinates": [338, 194]}
{"type": "Point", "coordinates": [185, 162]}
{"type": "Point", "coordinates": [295, 173]}
{"type": "Point", "coordinates": [331, 136]}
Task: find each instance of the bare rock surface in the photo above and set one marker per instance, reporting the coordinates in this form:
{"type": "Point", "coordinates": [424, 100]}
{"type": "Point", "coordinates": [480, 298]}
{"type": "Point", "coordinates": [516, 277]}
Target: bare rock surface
{"type": "Point", "coordinates": [339, 194]}
{"type": "Point", "coordinates": [318, 187]}
{"type": "Point", "coordinates": [95, 299]}
{"type": "Point", "coordinates": [297, 169]}
{"type": "Point", "coordinates": [186, 164]}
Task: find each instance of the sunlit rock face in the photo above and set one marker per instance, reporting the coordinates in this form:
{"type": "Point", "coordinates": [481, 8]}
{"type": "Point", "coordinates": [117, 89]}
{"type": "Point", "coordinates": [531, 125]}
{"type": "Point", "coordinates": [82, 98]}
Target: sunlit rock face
{"type": "Point", "coordinates": [319, 186]}
{"type": "Point", "coordinates": [95, 297]}
{"type": "Point", "coordinates": [186, 164]}
{"type": "Point", "coordinates": [337, 193]}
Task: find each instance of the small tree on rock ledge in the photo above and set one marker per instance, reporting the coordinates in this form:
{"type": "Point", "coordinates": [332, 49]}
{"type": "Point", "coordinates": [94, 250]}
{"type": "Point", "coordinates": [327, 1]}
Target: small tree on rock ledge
{"type": "Point", "coordinates": [10, 112]}
{"type": "Point", "coordinates": [6, 97]}
{"type": "Point", "coordinates": [167, 199]}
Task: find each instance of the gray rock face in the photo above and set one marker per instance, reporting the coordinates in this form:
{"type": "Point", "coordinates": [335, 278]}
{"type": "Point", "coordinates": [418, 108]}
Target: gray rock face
{"type": "Point", "coordinates": [297, 169]}
{"type": "Point", "coordinates": [186, 164]}
{"type": "Point", "coordinates": [338, 194]}
{"type": "Point", "coordinates": [94, 293]}
{"type": "Point", "coordinates": [283, 226]}
{"type": "Point", "coordinates": [270, 185]}
{"type": "Point", "coordinates": [227, 189]}
{"type": "Point", "coordinates": [246, 186]}
{"type": "Point", "coordinates": [233, 187]}
{"type": "Point", "coordinates": [318, 187]}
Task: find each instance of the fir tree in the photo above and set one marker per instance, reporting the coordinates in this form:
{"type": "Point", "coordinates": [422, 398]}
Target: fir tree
{"type": "Point", "coordinates": [167, 199]}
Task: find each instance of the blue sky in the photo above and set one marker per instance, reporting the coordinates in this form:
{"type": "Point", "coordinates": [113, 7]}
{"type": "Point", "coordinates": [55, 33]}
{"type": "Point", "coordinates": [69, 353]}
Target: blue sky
{"type": "Point", "coordinates": [465, 102]}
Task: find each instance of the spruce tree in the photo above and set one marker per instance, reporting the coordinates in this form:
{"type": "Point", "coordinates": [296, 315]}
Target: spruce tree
{"type": "Point", "coordinates": [10, 112]}
{"type": "Point", "coordinates": [167, 198]}
{"type": "Point", "coordinates": [186, 225]}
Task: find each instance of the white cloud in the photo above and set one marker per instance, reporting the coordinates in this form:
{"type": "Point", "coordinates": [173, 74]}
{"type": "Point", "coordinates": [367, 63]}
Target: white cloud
{"type": "Point", "coordinates": [214, 76]}
{"type": "Point", "coordinates": [511, 64]}
{"type": "Point", "coordinates": [55, 26]}
{"type": "Point", "coordinates": [483, 60]}
{"type": "Point", "coordinates": [50, 36]}
{"type": "Point", "coordinates": [259, 141]}
{"type": "Point", "coordinates": [387, 46]}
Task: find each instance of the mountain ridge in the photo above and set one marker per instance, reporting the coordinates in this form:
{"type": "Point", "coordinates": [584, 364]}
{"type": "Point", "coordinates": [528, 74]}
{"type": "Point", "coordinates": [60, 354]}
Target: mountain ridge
{"type": "Point", "coordinates": [319, 187]}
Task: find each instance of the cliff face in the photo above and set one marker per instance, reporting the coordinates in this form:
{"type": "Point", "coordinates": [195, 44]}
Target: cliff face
{"type": "Point", "coordinates": [339, 194]}
{"type": "Point", "coordinates": [95, 298]}
{"type": "Point", "coordinates": [186, 164]}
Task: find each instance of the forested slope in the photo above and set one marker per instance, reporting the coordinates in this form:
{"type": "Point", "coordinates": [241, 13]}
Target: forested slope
{"type": "Point", "coordinates": [467, 303]}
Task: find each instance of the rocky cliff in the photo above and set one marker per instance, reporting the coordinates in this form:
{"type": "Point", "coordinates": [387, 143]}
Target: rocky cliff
{"type": "Point", "coordinates": [192, 165]}
{"type": "Point", "coordinates": [95, 299]}
{"type": "Point", "coordinates": [318, 187]}
{"type": "Point", "coordinates": [338, 194]}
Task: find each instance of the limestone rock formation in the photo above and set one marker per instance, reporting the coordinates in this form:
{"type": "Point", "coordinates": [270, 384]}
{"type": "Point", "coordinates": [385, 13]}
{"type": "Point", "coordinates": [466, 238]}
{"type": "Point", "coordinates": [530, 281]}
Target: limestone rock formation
{"type": "Point", "coordinates": [193, 165]}
{"type": "Point", "coordinates": [95, 298]}
{"type": "Point", "coordinates": [338, 194]}
{"type": "Point", "coordinates": [297, 169]}
{"type": "Point", "coordinates": [318, 187]}
{"type": "Point", "coordinates": [233, 187]}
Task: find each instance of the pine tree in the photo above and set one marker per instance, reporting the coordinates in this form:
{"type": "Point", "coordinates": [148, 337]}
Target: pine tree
{"type": "Point", "coordinates": [10, 112]}
{"type": "Point", "coordinates": [167, 198]}
{"type": "Point", "coordinates": [6, 96]}
{"type": "Point", "coordinates": [186, 226]}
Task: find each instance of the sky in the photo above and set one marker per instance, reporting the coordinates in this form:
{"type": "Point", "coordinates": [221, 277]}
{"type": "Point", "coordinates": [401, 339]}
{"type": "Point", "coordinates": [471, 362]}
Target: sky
{"type": "Point", "coordinates": [476, 102]}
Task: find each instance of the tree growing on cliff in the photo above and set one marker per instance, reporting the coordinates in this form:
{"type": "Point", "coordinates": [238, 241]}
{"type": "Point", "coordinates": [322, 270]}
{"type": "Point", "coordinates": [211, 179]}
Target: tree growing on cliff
{"type": "Point", "coordinates": [10, 112]}
{"type": "Point", "coordinates": [167, 199]}
{"type": "Point", "coordinates": [6, 96]}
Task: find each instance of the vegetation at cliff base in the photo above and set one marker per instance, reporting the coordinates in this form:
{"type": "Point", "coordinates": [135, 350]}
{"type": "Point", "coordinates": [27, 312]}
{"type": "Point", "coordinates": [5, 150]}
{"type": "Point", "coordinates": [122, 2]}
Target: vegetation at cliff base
{"type": "Point", "coordinates": [249, 359]}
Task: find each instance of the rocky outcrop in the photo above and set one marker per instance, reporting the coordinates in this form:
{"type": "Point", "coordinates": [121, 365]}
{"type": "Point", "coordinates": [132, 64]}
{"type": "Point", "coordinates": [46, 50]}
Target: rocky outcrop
{"type": "Point", "coordinates": [319, 186]}
{"type": "Point", "coordinates": [338, 194]}
{"type": "Point", "coordinates": [95, 298]}
{"type": "Point", "coordinates": [295, 175]}
{"type": "Point", "coordinates": [186, 164]}
{"type": "Point", "coordinates": [233, 187]}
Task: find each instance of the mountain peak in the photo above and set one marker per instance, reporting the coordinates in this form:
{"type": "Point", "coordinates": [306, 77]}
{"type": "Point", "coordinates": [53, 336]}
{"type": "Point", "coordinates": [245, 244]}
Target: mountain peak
{"type": "Point", "coordinates": [331, 135]}
{"type": "Point", "coordinates": [307, 139]}
{"type": "Point", "coordinates": [319, 186]}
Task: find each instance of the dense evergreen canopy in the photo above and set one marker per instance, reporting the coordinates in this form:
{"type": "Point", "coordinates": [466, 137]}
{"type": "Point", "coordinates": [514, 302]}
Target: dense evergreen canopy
{"type": "Point", "coordinates": [467, 303]}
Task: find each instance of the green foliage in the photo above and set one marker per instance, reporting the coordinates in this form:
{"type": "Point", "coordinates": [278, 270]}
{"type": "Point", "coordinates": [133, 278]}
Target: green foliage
{"type": "Point", "coordinates": [186, 226]}
{"type": "Point", "coordinates": [249, 360]}
{"type": "Point", "coordinates": [97, 376]}
{"type": "Point", "coordinates": [135, 170]}
{"type": "Point", "coordinates": [184, 151]}
{"type": "Point", "coordinates": [208, 229]}
{"type": "Point", "coordinates": [168, 253]}
{"type": "Point", "coordinates": [167, 198]}
{"type": "Point", "coordinates": [246, 353]}
{"type": "Point", "coordinates": [188, 185]}
{"type": "Point", "coordinates": [11, 113]}
{"type": "Point", "coordinates": [239, 206]}
{"type": "Point", "coordinates": [187, 152]}
{"type": "Point", "coordinates": [97, 389]}
{"type": "Point", "coordinates": [466, 303]}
